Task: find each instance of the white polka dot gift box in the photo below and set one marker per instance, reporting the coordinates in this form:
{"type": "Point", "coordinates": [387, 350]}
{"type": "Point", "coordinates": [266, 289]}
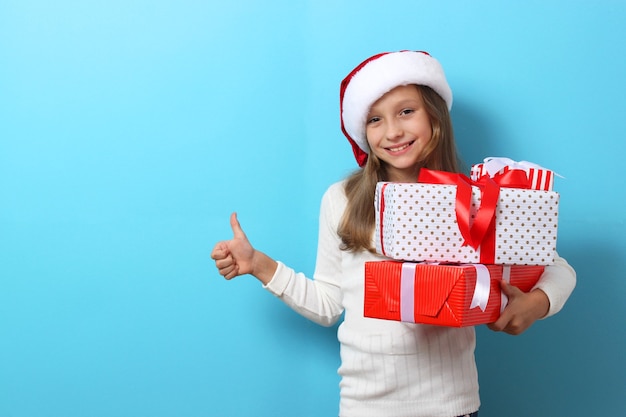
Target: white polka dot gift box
{"type": "Point", "coordinates": [446, 217]}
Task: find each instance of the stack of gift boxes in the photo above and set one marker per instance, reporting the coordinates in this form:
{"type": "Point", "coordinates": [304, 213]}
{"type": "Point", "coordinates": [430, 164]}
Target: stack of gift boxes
{"type": "Point", "coordinates": [452, 239]}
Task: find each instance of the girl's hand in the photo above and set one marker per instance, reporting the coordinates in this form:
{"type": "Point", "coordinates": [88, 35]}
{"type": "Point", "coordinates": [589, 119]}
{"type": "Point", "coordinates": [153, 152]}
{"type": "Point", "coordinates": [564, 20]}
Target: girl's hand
{"type": "Point", "coordinates": [234, 257]}
{"type": "Point", "coordinates": [522, 310]}
{"type": "Point", "coordinates": [237, 256]}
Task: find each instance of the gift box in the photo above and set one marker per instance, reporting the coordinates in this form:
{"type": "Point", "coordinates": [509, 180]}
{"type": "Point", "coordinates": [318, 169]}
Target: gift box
{"type": "Point", "coordinates": [446, 295]}
{"type": "Point", "coordinates": [539, 178]}
{"type": "Point", "coordinates": [465, 222]}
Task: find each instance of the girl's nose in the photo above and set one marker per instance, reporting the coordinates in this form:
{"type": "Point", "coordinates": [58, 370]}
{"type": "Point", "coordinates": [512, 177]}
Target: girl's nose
{"type": "Point", "coordinates": [394, 130]}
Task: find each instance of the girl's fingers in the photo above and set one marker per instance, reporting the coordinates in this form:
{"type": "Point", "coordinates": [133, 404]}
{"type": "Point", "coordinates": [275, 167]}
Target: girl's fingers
{"type": "Point", "coordinates": [220, 251]}
{"type": "Point", "coordinates": [224, 263]}
{"type": "Point", "coordinates": [234, 272]}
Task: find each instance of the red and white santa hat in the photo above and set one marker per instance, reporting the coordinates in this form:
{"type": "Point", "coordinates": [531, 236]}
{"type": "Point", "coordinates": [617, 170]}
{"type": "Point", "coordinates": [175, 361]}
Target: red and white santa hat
{"type": "Point", "coordinates": [374, 77]}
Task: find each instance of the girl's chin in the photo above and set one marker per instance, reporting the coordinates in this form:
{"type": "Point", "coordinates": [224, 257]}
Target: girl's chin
{"type": "Point", "coordinates": [403, 162]}
{"type": "Point", "coordinates": [403, 172]}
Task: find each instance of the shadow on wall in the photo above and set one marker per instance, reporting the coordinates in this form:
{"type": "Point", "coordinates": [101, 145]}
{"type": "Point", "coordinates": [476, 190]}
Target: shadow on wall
{"type": "Point", "coordinates": [474, 134]}
{"type": "Point", "coordinates": [578, 354]}
{"type": "Point", "coordinates": [573, 356]}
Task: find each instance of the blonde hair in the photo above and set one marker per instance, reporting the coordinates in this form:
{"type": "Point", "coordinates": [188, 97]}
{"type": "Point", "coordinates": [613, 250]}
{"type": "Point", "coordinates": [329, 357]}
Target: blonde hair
{"type": "Point", "coordinates": [357, 224]}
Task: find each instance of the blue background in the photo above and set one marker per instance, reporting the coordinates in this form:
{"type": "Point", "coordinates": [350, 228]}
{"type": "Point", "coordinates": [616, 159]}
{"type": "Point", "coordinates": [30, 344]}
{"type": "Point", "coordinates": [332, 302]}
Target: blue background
{"type": "Point", "coordinates": [131, 129]}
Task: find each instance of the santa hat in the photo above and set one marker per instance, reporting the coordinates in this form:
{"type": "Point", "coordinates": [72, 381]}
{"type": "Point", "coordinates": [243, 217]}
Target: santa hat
{"type": "Point", "coordinates": [374, 77]}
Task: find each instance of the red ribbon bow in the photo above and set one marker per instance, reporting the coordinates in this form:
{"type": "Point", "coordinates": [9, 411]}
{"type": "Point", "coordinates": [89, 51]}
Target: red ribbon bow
{"type": "Point", "coordinates": [480, 231]}
{"type": "Point", "coordinates": [514, 178]}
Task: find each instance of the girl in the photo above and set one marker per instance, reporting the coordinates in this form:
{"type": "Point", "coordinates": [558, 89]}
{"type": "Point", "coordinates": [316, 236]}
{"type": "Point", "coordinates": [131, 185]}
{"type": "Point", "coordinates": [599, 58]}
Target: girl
{"type": "Point", "coordinates": [395, 114]}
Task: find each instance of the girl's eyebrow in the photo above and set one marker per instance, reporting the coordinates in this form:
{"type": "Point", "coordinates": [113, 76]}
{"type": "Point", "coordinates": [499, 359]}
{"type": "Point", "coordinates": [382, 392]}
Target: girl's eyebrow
{"type": "Point", "coordinates": [411, 101]}
{"type": "Point", "coordinates": [402, 103]}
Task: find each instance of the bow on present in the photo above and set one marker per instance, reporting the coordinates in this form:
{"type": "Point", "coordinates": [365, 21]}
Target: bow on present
{"type": "Point", "coordinates": [483, 224]}
{"type": "Point", "coordinates": [481, 232]}
{"type": "Point", "coordinates": [493, 165]}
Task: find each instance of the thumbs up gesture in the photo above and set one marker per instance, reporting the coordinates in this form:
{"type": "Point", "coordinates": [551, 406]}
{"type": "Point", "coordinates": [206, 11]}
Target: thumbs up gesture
{"type": "Point", "coordinates": [237, 256]}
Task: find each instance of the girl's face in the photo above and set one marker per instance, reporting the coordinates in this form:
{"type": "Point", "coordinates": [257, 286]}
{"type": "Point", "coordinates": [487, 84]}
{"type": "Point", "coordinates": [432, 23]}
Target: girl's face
{"type": "Point", "coordinates": [398, 128]}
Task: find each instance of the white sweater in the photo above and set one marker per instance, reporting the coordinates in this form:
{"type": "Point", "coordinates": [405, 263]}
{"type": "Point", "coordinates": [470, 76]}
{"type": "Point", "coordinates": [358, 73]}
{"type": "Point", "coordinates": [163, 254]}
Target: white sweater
{"type": "Point", "coordinates": [389, 368]}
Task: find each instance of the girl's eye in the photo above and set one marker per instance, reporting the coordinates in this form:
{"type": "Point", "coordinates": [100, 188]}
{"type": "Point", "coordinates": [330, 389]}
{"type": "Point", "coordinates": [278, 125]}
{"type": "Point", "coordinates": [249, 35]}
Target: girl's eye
{"type": "Point", "coordinates": [407, 111]}
{"type": "Point", "coordinates": [373, 120]}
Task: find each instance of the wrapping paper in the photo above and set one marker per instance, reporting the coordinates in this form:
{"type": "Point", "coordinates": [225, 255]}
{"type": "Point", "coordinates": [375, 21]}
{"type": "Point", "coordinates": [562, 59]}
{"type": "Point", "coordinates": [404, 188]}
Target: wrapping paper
{"type": "Point", "coordinates": [421, 222]}
{"type": "Point", "coordinates": [540, 178]}
{"type": "Point", "coordinates": [445, 295]}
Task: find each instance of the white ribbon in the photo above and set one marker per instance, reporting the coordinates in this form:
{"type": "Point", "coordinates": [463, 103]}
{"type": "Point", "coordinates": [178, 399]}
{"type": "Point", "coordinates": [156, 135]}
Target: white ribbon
{"type": "Point", "coordinates": [493, 165]}
{"type": "Point", "coordinates": [407, 292]}
{"type": "Point", "coordinates": [483, 287]}
{"type": "Point", "coordinates": [506, 277]}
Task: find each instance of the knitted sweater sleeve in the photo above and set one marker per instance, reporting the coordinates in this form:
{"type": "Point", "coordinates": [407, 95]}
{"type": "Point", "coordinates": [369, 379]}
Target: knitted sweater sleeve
{"type": "Point", "coordinates": [318, 299]}
{"type": "Point", "coordinates": [558, 282]}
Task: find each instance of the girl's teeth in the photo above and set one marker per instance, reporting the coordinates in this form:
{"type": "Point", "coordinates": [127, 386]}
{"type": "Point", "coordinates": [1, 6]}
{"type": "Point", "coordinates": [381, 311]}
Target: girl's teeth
{"type": "Point", "coordinates": [399, 148]}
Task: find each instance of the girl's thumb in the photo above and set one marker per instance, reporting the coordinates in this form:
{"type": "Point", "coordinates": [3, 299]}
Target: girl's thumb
{"type": "Point", "coordinates": [234, 224]}
{"type": "Point", "coordinates": [508, 289]}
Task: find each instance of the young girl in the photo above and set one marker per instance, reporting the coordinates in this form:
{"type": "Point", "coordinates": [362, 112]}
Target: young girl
{"type": "Point", "coordinates": [395, 113]}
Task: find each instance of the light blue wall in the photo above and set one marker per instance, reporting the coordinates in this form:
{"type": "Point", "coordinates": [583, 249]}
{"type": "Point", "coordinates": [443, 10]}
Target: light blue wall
{"type": "Point", "coordinates": [130, 129]}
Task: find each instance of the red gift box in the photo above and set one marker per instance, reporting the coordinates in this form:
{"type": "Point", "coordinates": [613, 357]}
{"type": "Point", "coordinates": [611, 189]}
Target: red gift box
{"type": "Point", "coordinates": [445, 295]}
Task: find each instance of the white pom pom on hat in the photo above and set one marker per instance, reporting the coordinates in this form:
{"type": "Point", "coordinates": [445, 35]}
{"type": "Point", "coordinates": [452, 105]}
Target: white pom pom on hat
{"type": "Point", "coordinates": [374, 77]}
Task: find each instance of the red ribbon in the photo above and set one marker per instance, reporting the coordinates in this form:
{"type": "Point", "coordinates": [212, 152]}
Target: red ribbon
{"type": "Point", "coordinates": [514, 178]}
{"type": "Point", "coordinates": [480, 232]}
{"type": "Point", "coordinates": [381, 210]}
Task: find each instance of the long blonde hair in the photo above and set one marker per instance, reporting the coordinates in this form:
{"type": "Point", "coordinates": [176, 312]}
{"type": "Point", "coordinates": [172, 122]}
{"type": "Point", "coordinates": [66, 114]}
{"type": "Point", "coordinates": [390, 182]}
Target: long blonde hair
{"type": "Point", "coordinates": [357, 224]}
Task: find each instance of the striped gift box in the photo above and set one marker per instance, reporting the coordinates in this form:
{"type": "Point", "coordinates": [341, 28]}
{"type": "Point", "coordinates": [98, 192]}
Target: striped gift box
{"type": "Point", "coordinates": [444, 295]}
{"type": "Point", "coordinates": [541, 178]}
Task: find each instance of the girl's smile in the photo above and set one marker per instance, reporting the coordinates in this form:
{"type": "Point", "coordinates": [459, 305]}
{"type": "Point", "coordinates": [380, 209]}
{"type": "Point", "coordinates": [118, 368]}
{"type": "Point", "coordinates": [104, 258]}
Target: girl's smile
{"type": "Point", "coordinates": [400, 148]}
